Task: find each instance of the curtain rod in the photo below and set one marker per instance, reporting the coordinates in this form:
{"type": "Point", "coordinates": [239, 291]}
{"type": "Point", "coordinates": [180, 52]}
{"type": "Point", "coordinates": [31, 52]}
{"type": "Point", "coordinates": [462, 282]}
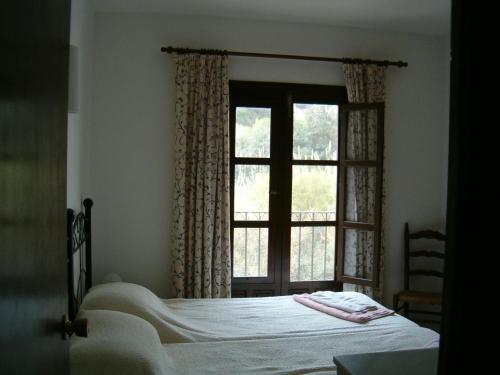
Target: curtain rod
{"type": "Point", "coordinates": [346, 60]}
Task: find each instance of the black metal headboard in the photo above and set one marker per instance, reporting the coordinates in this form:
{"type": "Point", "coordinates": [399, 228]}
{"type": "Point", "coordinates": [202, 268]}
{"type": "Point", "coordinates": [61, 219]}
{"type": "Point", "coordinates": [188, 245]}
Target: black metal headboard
{"type": "Point", "coordinates": [79, 245]}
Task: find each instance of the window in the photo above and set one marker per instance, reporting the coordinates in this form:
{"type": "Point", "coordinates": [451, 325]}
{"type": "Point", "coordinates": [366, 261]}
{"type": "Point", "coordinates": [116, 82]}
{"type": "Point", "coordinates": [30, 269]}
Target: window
{"type": "Point", "coordinates": [300, 212]}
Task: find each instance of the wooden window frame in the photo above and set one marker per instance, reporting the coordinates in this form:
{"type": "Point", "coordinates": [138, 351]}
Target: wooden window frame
{"type": "Point", "coordinates": [281, 97]}
{"type": "Point", "coordinates": [344, 164]}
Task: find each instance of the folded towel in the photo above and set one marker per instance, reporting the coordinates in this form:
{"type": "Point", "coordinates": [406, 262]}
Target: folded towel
{"type": "Point", "coordinates": [342, 301]}
{"type": "Point", "coordinates": [352, 317]}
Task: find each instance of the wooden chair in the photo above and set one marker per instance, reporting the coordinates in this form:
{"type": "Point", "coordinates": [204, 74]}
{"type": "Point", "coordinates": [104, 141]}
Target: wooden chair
{"type": "Point", "coordinates": [410, 295]}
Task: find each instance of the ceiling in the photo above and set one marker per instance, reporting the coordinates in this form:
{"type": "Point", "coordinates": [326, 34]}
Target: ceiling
{"type": "Point", "coordinates": [428, 17]}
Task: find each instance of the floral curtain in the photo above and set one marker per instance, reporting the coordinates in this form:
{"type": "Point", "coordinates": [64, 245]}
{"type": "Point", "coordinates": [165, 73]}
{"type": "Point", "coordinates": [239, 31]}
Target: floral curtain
{"type": "Point", "coordinates": [201, 252]}
{"type": "Point", "coordinates": [365, 84]}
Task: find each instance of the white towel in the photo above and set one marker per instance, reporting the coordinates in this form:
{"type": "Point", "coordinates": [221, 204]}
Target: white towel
{"type": "Point", "coordinates": [343, 301]}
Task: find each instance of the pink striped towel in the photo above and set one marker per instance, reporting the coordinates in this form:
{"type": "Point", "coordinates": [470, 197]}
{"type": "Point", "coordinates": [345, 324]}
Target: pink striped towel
{"type": "Point", "coordinates": [352, 317]}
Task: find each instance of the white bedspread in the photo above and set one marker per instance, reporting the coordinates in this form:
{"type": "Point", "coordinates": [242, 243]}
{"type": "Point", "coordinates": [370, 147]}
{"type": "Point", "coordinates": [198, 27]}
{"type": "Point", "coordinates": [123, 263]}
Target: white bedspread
{"type": "Point", "coordinates": [293, 355]}
{"type": "Point", "coordinates": [202, 320]}
{"type": "Point", "coordinates": [273, 335]}
{"type": "Point", "coordinates": [198, 320]}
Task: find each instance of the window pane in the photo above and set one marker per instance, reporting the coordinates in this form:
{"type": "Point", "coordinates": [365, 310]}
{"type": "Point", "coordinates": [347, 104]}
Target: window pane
{"type": "Point", "coordinates": [253, 132]}
{"type": "Point", "coordinates": [315, 134]}
{"type": "Point", "coordinates": [312, 253]}
{"type": "Point", "coordinates": [251, 192]}
{"type": "Point", "coordinates": [362, 135]}
{"type": "Point", "coordinates": [314, 193]}
{"type": "Point", "coordinates": [360, 194]}
{"type": "Point", "coordinates": [359, 253]}
{"type": "Point", "coordinates": [250, 252]}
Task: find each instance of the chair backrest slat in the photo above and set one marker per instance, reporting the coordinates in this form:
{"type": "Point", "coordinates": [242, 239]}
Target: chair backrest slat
{"type": "Point", "coordinates": [423, 234]}
{"type": "Point", "coordinates": [430, 234]}
{"type": "Point", "coordinates": [427, 254]}
{"type": "Point", "coordinates": [426, 273]}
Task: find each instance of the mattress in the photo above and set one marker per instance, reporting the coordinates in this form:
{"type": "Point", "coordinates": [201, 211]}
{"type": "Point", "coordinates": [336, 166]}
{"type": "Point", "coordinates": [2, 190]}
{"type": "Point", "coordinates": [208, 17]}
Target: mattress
{"type": "Point", "coordinates": [207, 320]}
{"type": "Point", "coordinates": [292, 355]}
{"type": "Point", "coordinates": [272, 335]}
{"type": "Point", "coordinates": [198, 320]}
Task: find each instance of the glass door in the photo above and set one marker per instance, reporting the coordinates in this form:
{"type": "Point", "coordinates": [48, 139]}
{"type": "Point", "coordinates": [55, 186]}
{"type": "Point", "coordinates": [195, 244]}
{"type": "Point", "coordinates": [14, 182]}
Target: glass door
{"type": "Point", "coordinates": [284, 166]}
{"type": "Point", "coordinates": [313, 204]}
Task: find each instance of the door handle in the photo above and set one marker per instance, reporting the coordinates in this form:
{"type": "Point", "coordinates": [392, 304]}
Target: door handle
{"type": "Point", "coordinates": [80, 327]}
{"type": "Point", "coordinates": [274, 192]}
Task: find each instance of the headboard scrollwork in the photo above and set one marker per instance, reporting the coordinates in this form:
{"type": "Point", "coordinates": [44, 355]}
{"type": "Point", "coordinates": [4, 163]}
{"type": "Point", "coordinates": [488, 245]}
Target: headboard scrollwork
{"type": "Point", "coordinates": [79, 248]}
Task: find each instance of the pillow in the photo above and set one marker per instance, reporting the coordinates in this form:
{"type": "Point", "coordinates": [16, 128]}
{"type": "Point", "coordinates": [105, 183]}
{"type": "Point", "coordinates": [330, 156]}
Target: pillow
{"type": "Point", "coordinates": [119, 296]}
{"type": "Point", "coordinates": [135, 300]}
{"type": "Point", "coordinates": [118, 343]}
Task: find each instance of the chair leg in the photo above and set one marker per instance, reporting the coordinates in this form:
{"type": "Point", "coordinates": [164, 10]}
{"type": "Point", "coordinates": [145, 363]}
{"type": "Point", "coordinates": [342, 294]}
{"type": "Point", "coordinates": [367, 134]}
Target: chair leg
{"type": "Point", "coordinates": [406, 309]}
{"type": "Point", "coordinates": [395, 302]}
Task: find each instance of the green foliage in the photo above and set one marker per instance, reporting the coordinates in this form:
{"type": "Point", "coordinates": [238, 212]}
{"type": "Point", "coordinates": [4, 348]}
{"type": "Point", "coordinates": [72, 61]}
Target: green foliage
{"type": "Point", "coordinates": [315, 131]}
{"type": "Point", "coordinates": [254, 140]}
{"type": "Point", "coordinates": [252, 189]}
{"type": "Point", "coordinates": [313, 189]}
{"type": "Point", "coordinates": [247, 116]}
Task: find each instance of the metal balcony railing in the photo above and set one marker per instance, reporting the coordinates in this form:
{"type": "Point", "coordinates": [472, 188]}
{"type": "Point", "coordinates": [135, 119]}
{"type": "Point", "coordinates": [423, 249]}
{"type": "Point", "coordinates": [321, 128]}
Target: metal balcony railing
{"type": "Point", "coordinates": [314, 231]}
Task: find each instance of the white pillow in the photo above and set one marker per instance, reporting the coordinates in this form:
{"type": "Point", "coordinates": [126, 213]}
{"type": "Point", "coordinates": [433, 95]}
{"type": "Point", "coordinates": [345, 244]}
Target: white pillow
{"type": "Point", "coordinates": [131, 299]}
{"type": "Point", "coordinates": [120, 296]}
{"type": "Point", "coordinates": [118, 344]}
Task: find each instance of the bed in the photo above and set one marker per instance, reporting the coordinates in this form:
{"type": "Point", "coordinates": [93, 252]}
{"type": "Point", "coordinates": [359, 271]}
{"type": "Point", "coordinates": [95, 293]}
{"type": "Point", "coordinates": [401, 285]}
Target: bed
{"type": "Point", "coordinates": [134, 331]}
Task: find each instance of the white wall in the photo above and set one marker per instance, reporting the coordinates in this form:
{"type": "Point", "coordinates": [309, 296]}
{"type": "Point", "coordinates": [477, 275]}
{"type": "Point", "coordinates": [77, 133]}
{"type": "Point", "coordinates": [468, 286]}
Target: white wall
{"type": "Point", "coordinates": [132, 158]}
{"type": "Point", "coordinates": [81, 36]}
